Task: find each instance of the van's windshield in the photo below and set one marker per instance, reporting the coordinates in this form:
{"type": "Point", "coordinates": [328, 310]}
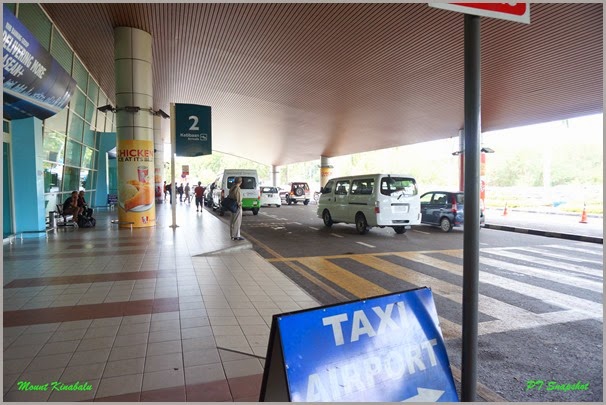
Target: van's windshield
{"type": "Point", "coordinates": [398, 186]}
{"type": "Point", "coordinates": [248, 183]}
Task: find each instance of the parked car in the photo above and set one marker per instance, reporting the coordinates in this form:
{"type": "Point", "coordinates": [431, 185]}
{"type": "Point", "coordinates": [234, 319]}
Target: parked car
{"type": "Point", "coordinates": [299, 191]}
{"type": "Point", "coordinates": [270, 196]}
{"type": "Point", "coordinates": [249, 189]}
{"type": "Point", "coordinates": [444, 209]}
{"type": "Point", "coordinates": [283, 190]}
{"type": "Point", "coordinates": [371, 200]}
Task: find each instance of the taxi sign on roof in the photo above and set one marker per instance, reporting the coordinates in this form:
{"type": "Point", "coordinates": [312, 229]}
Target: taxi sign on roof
{"type": "Point", "coordinates": [386, 349]}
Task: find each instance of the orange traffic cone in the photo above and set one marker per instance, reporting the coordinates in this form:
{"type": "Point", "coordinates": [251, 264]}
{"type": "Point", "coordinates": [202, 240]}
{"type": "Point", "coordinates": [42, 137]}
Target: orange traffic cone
{"type": "Point", "coordinates": [505, 210]}
{"type": "Point", "coordinates": [583, 216]}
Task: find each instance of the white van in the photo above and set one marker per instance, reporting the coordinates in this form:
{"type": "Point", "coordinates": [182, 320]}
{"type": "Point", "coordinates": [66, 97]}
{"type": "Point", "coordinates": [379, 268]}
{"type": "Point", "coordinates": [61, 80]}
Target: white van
{"type": "Point", "coordinates": [371, 200]}
{"type": "Point", "coordinates": [251, 199]}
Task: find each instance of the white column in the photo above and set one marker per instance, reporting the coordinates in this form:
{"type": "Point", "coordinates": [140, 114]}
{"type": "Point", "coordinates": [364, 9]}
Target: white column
{"type": "Point", "coordinates": [134, 126]}
{"type": "Point", "coordinates": [274, 175]}
{"type": "Point", "coordinates": [325, 170]}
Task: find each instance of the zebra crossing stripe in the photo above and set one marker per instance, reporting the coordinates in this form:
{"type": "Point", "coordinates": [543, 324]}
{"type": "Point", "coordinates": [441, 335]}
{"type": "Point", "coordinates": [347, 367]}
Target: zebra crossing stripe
{"type": "Point", "coordinates": [545, 262]}
{"type": "Point", "coordinates": [576, 249]}
{"type": "Point", "coordinates": [559, 256]}
{"type": "Point", "coordinates": [488, 305]}
{"type": "Point", "coordinates": [358, 286]}
{"type": "Point", "coordinates": [544, 294]}
{"type": "Point", "coordinates": [550, 318]}
{"type": "Point", "coordinates": [537, 272]}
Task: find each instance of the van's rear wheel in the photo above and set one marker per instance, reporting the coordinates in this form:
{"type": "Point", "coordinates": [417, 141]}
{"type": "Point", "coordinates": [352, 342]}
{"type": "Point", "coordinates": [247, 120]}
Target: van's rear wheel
{"type": "Point", "coordinates": [255, 211]}
{"type": "Point", "coordinates": [445, 224]}
{"type": "Point", "coordinates": [399, 229]}
{"type": "Point", "coordinates": [306, 202]}
{"type": "Point", "coordinates": [361, 224]}
{"type": "Point", "coordinates": [327, 218]}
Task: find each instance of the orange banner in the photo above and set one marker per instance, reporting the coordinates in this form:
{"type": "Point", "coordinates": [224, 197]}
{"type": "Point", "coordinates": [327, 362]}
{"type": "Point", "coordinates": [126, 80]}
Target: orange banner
{"type": "Point", "coordinates": [136, 182]}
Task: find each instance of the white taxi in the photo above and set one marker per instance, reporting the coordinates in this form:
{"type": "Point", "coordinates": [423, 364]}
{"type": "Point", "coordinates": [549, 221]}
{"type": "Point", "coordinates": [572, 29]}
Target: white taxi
{"type": "Point", "coordinates": [270, 196]}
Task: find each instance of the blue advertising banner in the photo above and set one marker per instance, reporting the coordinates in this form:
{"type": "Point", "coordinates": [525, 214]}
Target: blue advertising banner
{"type": "Point", "coordinates": [192, 130]}
{"type": "Point", "coordinates": [34, 83]}
{"type": "Point", "coordinates": [382, 349]}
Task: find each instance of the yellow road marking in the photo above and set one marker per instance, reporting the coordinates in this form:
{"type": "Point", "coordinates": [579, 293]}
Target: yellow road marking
{"type": "Point", "coordinates": [358, 286]}
{"type": "Point", "coordinates": [299, 270]}
{"type": "Point", "coordinates": [350, 256]}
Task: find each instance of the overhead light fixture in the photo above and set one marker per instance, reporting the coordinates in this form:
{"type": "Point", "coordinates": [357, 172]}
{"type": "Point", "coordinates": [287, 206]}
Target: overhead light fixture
{"type": "Point", "coordinates": [162, 114]}
{"type": "Point", "coordinates": [487, 150]}
{"type": "Point", "coordinates": [457, 153]}
{"type": "Point", "coordinates": [106, 108]}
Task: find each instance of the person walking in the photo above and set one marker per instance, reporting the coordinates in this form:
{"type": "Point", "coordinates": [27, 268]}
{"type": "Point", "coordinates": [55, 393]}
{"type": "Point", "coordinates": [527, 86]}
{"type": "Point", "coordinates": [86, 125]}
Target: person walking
{"type": "Point", "coordinates": [186, 191]}
{"type": "Point", "coordinates": [180, 191]}
{"type": "Point", "coordinates": [199, 192]}
{"type": "Point", "coordinates": [236, 218]}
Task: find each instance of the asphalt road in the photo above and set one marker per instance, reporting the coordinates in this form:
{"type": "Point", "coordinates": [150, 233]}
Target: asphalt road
{"type": "Point", "coordinates": [541, 316]}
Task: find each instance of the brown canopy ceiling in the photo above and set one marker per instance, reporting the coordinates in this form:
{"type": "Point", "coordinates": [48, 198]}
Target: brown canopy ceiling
{"type": "Point", "coordinates": [290, 82]}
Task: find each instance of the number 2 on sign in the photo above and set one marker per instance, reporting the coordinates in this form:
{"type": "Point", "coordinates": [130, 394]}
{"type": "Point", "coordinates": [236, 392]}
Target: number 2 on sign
{"type": "Point", "coordinates": [194, 126]}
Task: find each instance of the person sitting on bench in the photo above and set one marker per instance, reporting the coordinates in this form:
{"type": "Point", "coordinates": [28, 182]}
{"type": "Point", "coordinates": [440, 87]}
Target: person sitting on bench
{"type": "Point", "coordinates": [70, 206]}
{"type": "Point", "coordinates": [86, 211]}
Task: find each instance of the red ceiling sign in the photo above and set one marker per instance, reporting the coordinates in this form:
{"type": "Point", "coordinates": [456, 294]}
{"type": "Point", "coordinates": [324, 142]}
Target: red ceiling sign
{"type": "Point", "coordinates": [519, 12]}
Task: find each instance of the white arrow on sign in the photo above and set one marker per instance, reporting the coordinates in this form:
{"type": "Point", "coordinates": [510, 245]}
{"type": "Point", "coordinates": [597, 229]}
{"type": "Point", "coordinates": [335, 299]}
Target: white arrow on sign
{"type": "Point", "coordinates": [425, 395]}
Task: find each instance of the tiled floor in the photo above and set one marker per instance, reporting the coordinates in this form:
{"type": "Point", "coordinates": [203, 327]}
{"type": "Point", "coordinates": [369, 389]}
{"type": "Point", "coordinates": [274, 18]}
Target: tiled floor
{"type": "Point", "coordinates": [149, 314]}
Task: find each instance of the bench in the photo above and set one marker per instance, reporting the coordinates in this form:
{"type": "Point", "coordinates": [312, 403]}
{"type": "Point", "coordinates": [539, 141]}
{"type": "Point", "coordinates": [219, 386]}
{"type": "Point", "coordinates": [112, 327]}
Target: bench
{"type": "Point", "coordinates": [68, 219]}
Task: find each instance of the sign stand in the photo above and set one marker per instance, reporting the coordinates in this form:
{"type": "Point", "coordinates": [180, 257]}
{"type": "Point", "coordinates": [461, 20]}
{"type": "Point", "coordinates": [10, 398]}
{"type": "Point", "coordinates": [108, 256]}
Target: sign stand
{"type": "Point", "coordinates": [173, 143]}
{"type": "Point", "coordinates": [378, 349]}
{"type": "Point", "coordinates": [274, 387]}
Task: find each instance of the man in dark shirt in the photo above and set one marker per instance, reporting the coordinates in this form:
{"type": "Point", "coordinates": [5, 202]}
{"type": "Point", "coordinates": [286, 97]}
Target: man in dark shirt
{"type": "Point", "coordinates": [199, 191]}
{"type": "Point", "coordinates": [70, 206]}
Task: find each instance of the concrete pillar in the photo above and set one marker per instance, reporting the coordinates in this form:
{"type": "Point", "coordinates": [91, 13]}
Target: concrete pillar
{"type": "Point", "coordinates": [158, 160]}
{"type": "Point", "coordinates": [28, 184]}
{"type": "Point", "coordinates": [274, 175]}
{"type": "Point", "coordinates": [134, 126]}
{"type": "Point", "coordinates": [325, 170]}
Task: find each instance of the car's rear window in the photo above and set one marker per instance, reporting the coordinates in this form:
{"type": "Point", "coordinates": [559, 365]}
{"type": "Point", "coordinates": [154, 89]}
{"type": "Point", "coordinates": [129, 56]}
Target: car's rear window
{"type": "Point", "coordinates": [398, 186]}
{"type": "Point", "coordinates": [269, 190]}
{"type": "Point", "coordinates": [248, 183]}
{"type": "Point", "coordinates": [304, 186]}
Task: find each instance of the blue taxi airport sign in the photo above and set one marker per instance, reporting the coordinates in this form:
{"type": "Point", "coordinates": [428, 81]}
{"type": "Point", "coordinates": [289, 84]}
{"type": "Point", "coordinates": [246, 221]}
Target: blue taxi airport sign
{"type": "Point", "coordinates": [383, 349]}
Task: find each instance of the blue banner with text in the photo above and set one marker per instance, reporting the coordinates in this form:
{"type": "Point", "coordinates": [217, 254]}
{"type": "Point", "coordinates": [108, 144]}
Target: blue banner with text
{"type": "Point", "coordinates": [34, 83]}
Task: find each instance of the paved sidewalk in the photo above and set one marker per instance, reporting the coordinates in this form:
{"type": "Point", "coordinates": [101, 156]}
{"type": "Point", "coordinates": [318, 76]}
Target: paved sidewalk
{"type": "Point", "coordinates": [547, 224]}
{"type": "Point", "coordinates": [140, 315]}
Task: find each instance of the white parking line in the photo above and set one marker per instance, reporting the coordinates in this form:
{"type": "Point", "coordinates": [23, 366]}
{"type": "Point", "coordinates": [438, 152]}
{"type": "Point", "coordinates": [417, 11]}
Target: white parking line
{"type": "Point", "coordinates": [426, 233]}
{"type": "Point", "coordinates": [283, 219]}
{"type": "Point", "coordinates": [365, 244]}
{"type": "Point", "coordinates": [315, 229]}
{"type": "Point", "coordinates": [338, 236]}
{"type": "Point", "coordinates": [296, 223]}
